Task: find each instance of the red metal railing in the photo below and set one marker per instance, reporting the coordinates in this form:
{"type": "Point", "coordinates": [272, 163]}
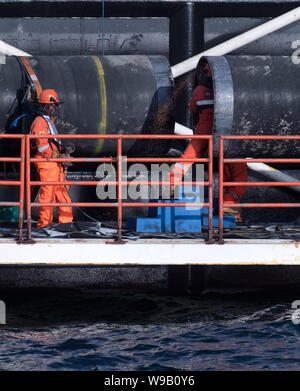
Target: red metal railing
{"type": "Point", "coordinates": [120, 204]}
{"type": "Point", "coordinates": [20, 182]}
{"type": "Point", "coordinates": [222, 161]}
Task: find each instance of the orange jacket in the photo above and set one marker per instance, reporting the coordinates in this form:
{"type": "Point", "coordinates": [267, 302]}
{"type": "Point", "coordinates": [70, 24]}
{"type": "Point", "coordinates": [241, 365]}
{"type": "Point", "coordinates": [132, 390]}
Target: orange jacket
{"type": "Point", "coordinates": [235, 172]}
{"type": "Point", "coordinates": [205, 95]}
{"type": "Point", "coordinates": [44, 149]}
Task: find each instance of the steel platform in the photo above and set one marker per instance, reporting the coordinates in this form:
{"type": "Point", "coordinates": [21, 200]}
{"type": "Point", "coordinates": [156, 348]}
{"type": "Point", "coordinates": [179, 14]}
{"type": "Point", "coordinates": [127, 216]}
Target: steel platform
{"type": "Point", "coordinates": [91, 252]}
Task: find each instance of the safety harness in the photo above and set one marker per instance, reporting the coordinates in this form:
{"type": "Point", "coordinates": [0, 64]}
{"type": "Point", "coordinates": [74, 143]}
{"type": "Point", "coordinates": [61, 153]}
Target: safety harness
{"type": "Point", "coordinates": [54, 132]}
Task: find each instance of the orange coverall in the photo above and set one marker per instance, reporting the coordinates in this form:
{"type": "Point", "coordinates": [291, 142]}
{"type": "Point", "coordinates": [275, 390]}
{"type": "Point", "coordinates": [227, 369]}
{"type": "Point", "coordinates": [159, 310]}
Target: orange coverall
{"type": "Point", "coordinates": [49, 171]}
{"type": "Point", "coordinates": [235, 172]}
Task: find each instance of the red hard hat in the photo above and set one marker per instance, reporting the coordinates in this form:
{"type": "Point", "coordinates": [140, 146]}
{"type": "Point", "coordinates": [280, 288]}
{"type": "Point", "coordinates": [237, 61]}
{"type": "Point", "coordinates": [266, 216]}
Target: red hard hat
{"type": "Point", "coordinates": [50, 97]}
{"type": "Point", "coordinates": [207, 70]}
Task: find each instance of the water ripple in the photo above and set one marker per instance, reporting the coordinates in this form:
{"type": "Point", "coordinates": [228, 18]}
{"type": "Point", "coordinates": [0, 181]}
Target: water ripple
{"type": "Point", "coordinates": [109, 330]}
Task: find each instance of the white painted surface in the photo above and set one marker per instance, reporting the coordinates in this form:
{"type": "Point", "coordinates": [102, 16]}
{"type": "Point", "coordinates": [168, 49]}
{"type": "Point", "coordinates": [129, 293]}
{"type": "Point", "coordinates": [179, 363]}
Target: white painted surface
{"type": "Point", "coordinates": [8, 50]}
{"type": "Point", "coordinates": [182, 130]}
{"type": "Point", "coordinates": [274, 174]}
{"type": "Point", "coordinates": [92, 252]}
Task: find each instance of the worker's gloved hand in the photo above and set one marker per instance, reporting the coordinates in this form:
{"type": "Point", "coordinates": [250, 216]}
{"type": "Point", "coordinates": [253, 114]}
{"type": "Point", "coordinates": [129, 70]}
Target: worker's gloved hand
{"type": "Point", "coordinates": [66, 153]}
{"type": "Point", "coordinates": [55, 155]}
{"type": "Point", "coordinates": [58, 155]}
{"type": "Point", "coordinates": [63, 156]}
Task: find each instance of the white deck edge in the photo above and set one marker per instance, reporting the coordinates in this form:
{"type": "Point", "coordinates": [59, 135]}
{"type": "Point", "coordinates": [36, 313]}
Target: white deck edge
{"type": "Point", "coordinates": [71, 252]}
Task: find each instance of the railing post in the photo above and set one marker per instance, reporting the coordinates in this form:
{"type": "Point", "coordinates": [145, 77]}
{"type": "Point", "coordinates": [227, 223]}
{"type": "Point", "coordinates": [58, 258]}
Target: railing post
{"type": "Point", "coordinates": [210, 190]}
{"type": "Point", "coordinates": [221, 179]}
{"type": "Point", "coordinates": [21, 188]}
{"type": "Point", "coordinates": [120, 209]}
{"type": "Point", "coordinates": [28, 187]}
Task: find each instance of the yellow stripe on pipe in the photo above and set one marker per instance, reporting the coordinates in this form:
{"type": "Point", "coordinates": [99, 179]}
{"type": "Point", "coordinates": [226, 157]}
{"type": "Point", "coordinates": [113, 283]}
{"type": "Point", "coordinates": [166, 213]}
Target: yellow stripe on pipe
{"type": "Point", "coordinates": [102, 125]}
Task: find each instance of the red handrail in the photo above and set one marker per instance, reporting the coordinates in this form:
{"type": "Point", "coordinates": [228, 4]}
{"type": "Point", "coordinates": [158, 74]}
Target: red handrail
{"type": "Point", "coordinates": [222, 161]}
{"type": "Point", "coordinates": [120, 204]}
{"type": "Point", "coordinates": [21, 182]}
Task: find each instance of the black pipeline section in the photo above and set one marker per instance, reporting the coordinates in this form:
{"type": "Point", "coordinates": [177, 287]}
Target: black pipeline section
{"type": "Point", "coordinates": [103, 95]}
{"type": "Point", "coordinates": [282, 42]}
{"type": "Point", "coordinates": [83, 36]}
{"type": "Point", "coordinates": [255, 95]}
{"type": "Point", "coordinates": [135, 95]}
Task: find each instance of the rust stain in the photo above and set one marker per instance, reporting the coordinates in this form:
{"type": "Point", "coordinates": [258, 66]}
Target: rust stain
{"type": "Point", "coordinates": [162, 117]}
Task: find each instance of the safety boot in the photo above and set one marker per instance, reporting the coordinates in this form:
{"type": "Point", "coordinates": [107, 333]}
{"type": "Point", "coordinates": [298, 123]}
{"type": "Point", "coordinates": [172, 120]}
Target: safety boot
{"type": "Point", "coordinates": [228, 211]}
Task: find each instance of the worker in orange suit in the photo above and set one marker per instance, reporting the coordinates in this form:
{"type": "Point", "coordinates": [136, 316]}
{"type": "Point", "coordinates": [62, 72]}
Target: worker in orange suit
{"type": "Point", "coordinates": [201, 106]}
{"type": "Point", "coordinates": [43, 124]}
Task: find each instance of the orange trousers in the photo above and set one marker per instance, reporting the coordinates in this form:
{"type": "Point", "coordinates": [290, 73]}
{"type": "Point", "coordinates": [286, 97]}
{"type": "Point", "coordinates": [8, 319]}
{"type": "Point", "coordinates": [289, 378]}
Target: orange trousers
{"type": "Point", "coordinates": [233, 172]}
{"type": "Point", "coordinates": [53, 172]}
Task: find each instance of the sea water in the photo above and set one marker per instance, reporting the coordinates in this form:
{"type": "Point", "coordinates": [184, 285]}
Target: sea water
{"type": "Point", "coordinates": [118, 330]}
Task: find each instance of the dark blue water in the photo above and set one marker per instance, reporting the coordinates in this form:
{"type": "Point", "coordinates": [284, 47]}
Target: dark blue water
{"type": "Point", "coordinates": [119, 330]}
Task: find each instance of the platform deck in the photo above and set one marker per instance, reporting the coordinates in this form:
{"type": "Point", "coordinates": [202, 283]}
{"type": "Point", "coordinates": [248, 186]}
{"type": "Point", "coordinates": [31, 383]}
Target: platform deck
{"type": "Point", "coordinates": [87, 252]}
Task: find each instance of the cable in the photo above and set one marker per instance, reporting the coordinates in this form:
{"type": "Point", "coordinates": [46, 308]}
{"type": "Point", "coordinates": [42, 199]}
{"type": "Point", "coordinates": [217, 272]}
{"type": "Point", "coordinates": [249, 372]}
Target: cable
{"type": "Point", "coordinates": [85, 214]}
{"type": "Point", "coordinates": [77, 207]}
{"type": "Point", "coordinates": [23, 84]}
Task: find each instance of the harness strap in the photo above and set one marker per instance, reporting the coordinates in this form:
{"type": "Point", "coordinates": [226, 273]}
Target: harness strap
{"type": "Point", "coordinates": [53, 131]}
{"type": "Point", "coordinates": [205, 102]}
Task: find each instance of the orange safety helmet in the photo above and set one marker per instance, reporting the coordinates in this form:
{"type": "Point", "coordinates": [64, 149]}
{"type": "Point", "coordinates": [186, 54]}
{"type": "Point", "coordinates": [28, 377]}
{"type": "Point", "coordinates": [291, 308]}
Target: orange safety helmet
{"type": "Point", "coordinates": [49, 97]}
{"type": "Point", "coordinates": [207, 70]}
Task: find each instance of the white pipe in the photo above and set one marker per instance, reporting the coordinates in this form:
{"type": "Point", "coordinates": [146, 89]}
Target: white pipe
{"type": "Point", "coordinates": [239, 41]}
{"type": "Point", "coordinates": [182, 130]}
{"type": "Point", "coordinates": [273, 174]}
{"type": "Point", "coordinates": [8, 50]}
